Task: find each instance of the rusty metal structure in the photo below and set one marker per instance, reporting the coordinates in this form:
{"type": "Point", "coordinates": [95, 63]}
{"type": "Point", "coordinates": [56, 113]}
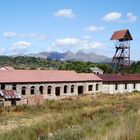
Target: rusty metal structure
{"type": "Point", "coordinates": [121, 59]}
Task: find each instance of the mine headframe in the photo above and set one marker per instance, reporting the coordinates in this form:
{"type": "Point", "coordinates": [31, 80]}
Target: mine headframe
{"type": "Point", "coordinates": [121, 59]}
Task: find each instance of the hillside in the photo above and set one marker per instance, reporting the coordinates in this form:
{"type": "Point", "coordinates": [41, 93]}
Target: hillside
{"type": "Point", "coordinates": [135, 67]}
{"type": "Point", "coordinates": [97, 117]}
{"type": "Point", "coordinates": [24, 62]}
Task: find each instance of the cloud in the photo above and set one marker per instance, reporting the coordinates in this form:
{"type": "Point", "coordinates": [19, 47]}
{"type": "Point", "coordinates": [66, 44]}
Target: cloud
{"type": "Point", "coordinates": [20, 46]}
{"type": "Point", "coordinates": [112, 16]}
{"type": "Point", "coordinates": [67, 13]}
{"type": "Point", "coordinates": [33, 36]}
{"type": "Point", "coordinates": [117, 17]}
{"type": "Point", "coordinates": [75, 44]}
{"type": "Point", "coordinates": [86, 37]}
{"type": "Point", "coordinates": [9, 34]}
{"type": "Point", "coordinates": [64, 44]}
{"type": "Point", "coordinates": [131, 17]}
{"type": "Point", "coordinates": [89, 44]}
{"type": "Point", "coordinates": [93, 28]}
{"type": "Point", "coordinates": [67, 41]}
{"type": "Point", "coordinates": [29, 35]}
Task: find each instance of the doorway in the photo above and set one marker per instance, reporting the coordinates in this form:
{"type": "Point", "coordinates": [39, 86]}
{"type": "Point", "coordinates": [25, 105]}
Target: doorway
{"type": "Point", "coordinates": [13, 102]}
{"type": "Point", "coordinates": [57, 91]}
{"type": "Point", "coordinates": [80, 90]}
{"type": "Point", "coordinates": [1, 103]}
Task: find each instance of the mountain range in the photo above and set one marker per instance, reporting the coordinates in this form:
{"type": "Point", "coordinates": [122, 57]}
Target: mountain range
{"type": "Point", "coordinates": [78, 56]}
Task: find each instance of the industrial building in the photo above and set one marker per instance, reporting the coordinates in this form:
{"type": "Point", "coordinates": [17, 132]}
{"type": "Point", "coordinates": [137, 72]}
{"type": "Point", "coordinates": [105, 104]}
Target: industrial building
{"type": "Point", "coordinates": [20, 85]}
{"type": "Point", "coordinates": [31, 86]}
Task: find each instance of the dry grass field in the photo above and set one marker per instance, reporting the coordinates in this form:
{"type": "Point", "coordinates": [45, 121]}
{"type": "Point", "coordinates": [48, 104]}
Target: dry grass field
{"type": "Point", "coordinates": [96, 117]}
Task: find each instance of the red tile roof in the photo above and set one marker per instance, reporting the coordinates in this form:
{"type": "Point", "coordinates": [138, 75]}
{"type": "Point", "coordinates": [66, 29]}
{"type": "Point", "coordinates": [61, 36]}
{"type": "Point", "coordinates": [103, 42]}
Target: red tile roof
{"type": "Point", "coordinates": [122, 34]}
{"type": "Point", "coordinates": [25, 76]}
{"type": "Point", "coordinates": [119, 77]}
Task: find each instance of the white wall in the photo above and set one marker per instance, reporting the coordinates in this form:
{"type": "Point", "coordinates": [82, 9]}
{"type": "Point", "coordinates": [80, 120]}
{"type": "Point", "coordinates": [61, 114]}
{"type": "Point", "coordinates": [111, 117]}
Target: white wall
{"type": "Point", "coordinates": [109, 88]}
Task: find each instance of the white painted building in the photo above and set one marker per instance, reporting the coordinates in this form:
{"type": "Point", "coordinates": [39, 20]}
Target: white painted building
{"type": "Point", "coordinates": [97, 70]}
{"type": "Point", "coordinates": [7, 68]}
{"type": "Point", "coordinates": [117, 83]}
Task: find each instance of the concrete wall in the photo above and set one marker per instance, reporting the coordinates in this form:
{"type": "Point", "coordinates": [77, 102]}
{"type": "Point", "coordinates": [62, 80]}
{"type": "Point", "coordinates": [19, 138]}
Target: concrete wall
{"type": "Point", "coordinates": [109, 88]}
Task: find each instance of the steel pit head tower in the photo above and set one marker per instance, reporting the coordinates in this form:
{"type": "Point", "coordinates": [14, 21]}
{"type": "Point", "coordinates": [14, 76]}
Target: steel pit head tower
{"type": "Point", "coordinates": [121, 59]}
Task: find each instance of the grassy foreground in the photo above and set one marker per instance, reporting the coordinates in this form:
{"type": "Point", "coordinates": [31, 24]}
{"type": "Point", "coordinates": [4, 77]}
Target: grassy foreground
{"type": "Point", "coordinates": [100, 117]}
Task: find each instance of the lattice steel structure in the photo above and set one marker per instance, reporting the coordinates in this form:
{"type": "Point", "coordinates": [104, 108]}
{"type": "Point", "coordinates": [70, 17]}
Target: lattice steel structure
{"type": "Point", "coordinates": [121, 59]}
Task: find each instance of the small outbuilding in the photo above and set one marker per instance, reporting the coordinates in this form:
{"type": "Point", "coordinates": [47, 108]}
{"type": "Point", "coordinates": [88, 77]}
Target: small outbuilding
{"type": "Point", "coordinates": [120, 83]}
{"type": "Point", "coordinates": [7, 68]}
{"type": "Point", "coordinates": [97, 70]}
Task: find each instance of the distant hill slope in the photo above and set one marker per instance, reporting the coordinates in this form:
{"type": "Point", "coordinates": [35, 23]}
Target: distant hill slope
{"type": "Point", "coordinates": [25, 62]}
{"type": "Point", "coordinates": [79, 56]}
{"type": "Point", "coordinates": [28, 62]}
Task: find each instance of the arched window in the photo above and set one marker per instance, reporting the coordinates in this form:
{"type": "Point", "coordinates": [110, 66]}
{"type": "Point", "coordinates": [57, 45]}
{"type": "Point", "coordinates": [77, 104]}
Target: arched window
{"type": "Point", "coordinates": [2, 87]}
{"type": "Point", "coordinates": [23, 90]}
{"type": "Point", "coordinates": [49, 89]}
{"type": "Point", "coordinates": [90, 87]}
{"type": "Point", "coordinates": [33, 90]}
{"type": "Point", "coordinates": [125, 86]}
{"type": "Point", "coordinates": [41, 89]}
{"type": "Point", "coordinates": [72, 88]}
{"type": "Point", "coordinates": [14, 87]}
{"type": "Point", "coordinates": [116, 86]}
{"type": "Point", "coordinates": [97, 87]}
{"type": "Point", "coordinates": [65, 88]}
{"type": "Point", "coordinates": [134, 85]}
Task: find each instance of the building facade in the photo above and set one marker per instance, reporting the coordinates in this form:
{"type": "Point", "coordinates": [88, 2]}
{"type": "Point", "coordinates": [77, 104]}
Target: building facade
{"type": "Point", "coordinates": [19, 87]}
{"type": "Point", "coordinates": [45, 84]}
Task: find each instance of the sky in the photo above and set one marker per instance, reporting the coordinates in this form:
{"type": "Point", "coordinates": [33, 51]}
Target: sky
{"type": "Point", "coordinates": [33, 26]}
